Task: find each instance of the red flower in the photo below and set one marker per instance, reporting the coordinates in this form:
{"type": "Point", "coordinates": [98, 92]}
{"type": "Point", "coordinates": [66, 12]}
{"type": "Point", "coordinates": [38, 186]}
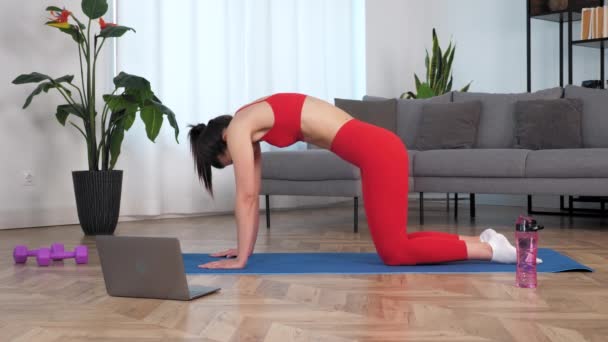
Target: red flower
{"type": "Point", "coordinates": [103, 24]}
{"type": "Point", "coordinates": [60, 19]}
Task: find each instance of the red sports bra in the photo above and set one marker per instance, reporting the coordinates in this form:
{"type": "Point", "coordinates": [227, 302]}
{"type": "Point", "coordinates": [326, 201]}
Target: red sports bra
{"type": "Point", "coordinates": [287, 109]}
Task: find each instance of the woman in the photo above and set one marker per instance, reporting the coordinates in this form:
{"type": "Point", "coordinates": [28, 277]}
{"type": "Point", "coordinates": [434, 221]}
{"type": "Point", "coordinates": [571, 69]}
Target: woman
{"type": "Point", "coordinates": [283, 119]}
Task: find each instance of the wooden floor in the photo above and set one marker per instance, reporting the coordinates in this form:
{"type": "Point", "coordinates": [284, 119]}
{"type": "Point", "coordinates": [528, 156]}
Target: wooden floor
{"type": "Point", "coordinates": [69, 303]}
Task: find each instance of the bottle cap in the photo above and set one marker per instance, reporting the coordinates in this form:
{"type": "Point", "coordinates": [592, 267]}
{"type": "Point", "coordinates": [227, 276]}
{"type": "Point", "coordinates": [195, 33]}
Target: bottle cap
{"type": "Point", "coordinates": [527, 224]}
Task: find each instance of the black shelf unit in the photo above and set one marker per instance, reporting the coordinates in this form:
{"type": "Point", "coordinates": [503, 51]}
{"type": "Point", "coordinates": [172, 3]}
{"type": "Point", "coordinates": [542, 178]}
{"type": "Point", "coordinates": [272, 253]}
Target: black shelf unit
{"type": "Point", "coordinates": [600, 43]}
{"type": "Point", "coordinates": [557, 16]}
{"type": "Point", "coordinates": [565, 18]}
{"type": "Point", "coordinates": [568, 16]}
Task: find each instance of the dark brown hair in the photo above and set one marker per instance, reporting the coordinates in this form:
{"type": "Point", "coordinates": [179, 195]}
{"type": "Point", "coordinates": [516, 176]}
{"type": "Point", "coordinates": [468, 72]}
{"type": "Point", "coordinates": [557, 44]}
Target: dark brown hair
{"type": "Point", "coordinates": [207, 145]}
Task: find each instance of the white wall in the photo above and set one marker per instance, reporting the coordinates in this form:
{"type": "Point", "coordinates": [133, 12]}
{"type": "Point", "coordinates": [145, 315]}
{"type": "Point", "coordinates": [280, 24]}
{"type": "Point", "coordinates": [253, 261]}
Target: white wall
{"type": "Point", "coordinates": [490, 36]}
{"type": "Point", "coordinates": [32, 139]}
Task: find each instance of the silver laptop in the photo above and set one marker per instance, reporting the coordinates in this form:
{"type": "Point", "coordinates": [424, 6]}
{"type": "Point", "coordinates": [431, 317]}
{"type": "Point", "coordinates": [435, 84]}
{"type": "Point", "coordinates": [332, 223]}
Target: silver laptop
{"type": "Point", "coordinates": [146, 267]}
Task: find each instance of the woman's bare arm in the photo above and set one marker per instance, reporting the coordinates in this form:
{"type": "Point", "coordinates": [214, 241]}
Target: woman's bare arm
{"type": "Point", "coordinates": [257, 161]}
{"type": "Point", "coordinates": [246, 202]}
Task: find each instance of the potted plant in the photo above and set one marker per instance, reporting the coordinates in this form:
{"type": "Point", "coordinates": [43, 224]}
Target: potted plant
{"type": "Point", "coordinates": [438, 73]}
{"type": "Point", "coordinates": [98, 189]}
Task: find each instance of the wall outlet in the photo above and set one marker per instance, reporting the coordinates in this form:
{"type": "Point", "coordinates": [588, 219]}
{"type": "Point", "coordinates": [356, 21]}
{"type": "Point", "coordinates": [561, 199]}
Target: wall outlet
{"type": "Point", "coordinates": [28, 178]}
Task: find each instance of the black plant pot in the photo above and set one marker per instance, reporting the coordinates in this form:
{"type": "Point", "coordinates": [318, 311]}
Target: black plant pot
{"type": "Point", "coordinates": [98, 200]}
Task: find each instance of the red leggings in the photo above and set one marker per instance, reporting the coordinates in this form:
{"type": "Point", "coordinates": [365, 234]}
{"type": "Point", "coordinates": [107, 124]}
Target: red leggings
{"type": "Point", "coordinates": [383, 162]}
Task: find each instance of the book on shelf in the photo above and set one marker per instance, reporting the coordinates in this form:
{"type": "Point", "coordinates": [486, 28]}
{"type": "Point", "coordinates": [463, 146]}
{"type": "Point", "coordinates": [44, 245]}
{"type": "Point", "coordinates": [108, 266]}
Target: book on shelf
{"type": "Point", "coordinates": [599, 22]}
{"type": "Point", "coordinates": [586, 21]}
{"type": "Point", "coordinates": [605, 35]}
{"type": "Point", "coordinates": [594, 22]}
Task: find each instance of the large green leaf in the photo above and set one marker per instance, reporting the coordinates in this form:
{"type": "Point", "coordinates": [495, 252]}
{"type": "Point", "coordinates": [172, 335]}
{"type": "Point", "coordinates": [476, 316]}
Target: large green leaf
{"type": "Point", "coordinates": [45, 86]}
{"type": "Point", "coordinates": [124, 102]}
{"type": "Point", "coordinates": [153, 119]}
{"type": "Point", "coordinates": [116, 137]}
{"type": "Point", "coordinates": [33, 77]}
{"type": "Point", "coordinates": [128, 81]}
{"type": "Point", "coordinates": [64, 110]}
{"type": "Point", "coordinates": [114, 31]}
{"type": "Point", "coordinates": [169, 113]}
{"type": "Point", "coordinates": [61, 115]}
{"type": "Point", "coordinates": [66, 78]}
{"type": "Point", "coordinates": [36, 77]}
{"type": "Point", "coordinates": [135, 86]}
{"type": "Point", "coordinates": [141, 95]}
{"type": "Point", "coordinates": [129, 120]}
{"type": "Point", "coordinates": [94, 8]}
{"type": "Point", "coordinates": [74, 32]}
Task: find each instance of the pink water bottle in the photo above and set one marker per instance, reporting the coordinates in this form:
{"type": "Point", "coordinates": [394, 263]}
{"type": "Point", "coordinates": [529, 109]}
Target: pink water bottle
{"type": "Point", "coordinates": [526, 242]}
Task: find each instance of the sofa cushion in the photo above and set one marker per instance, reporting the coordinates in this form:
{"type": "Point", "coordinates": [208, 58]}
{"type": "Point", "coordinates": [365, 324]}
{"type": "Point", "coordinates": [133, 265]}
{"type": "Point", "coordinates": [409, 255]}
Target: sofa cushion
{"type": "Point", "coordinates": [408, 115]}
{"type": "Point", "coordinates": [448, 125]}
{"type": "Point", "coordinates": [595, 114]}
{"type": "Point", "coordinates": [306, 165]}
{"type": "Point", "coordinates": [470, 163]}
{"type": "Point", "coordinates": [568, 163]}
{"type": "Point", "coordinates": [548, 124]}
{"type": "Point", "coordinates": [496, 126]}
{"type": "Point", "coordinates": [379, 113]}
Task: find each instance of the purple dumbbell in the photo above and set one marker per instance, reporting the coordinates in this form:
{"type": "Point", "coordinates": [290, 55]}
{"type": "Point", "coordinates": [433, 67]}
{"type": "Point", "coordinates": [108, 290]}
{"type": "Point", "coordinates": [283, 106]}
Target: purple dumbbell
{"type": "Point", "coordinates": [21, 253]}
{"type": "Point", "coordinates": [80, 253]}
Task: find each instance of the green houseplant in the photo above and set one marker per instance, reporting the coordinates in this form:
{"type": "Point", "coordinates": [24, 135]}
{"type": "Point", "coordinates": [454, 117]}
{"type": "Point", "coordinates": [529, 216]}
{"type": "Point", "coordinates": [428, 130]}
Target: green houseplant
{"type": "Point", "coordinates": [98, 189]}
{"type": "Point", "coordinates": [438, 73]}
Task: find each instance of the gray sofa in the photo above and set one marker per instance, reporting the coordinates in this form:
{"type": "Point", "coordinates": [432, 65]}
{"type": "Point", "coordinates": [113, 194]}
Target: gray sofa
{"type": "Point", "coordinates": [491, 167]}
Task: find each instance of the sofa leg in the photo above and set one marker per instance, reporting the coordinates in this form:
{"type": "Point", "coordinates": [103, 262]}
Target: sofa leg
{"type": "Point", "coordinates": [570, 205]}
{"type": "Point", "coordinates": [472, 205]}
{"type": "Point", "coordinates": [356, 215]}
{"type": "Point", "coordinates": [421, 205]}
{"type": "Point", "coordinates": [267, 211]}
{"type": "Point", "coordinates": [447, 202]}
{"type": "Point", "coordinates": [529, 204]}
{"type": "Point", "coordinates": [561, 203]}
{"type": "Point", "coordinates": [456, 205]}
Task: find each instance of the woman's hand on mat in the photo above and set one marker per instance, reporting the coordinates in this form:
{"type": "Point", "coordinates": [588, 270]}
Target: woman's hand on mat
{"type": "Point", "coordinates": [226, 263]}
{"type": "Point", "coordinates": [229, 253]}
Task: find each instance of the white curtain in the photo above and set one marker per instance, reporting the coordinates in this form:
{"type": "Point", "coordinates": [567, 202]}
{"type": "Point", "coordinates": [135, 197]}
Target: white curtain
{"type": "Point", "coordinates": [205, 58]}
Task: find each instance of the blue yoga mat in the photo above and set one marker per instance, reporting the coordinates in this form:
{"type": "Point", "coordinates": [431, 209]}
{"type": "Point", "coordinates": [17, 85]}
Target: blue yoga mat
{"type": "Point", "coordinates": [369, 263]}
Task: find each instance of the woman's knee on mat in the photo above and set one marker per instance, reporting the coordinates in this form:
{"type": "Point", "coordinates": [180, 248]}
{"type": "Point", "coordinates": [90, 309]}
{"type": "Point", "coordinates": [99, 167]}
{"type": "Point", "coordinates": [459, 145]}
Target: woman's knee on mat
{"type": "Point", "coordinates": [395, 255]}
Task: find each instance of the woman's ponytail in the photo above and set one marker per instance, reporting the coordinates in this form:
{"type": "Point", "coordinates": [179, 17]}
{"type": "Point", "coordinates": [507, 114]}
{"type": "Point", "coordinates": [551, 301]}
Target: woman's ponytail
{"type": "Point", "coordinates": [206, 145]}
